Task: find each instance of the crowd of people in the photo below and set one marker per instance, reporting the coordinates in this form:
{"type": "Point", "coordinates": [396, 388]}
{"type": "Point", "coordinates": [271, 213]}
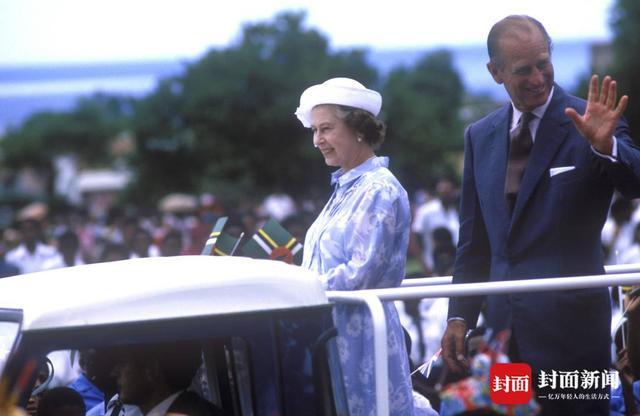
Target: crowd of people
{"type": "Point", "coordinates": [42, 239]}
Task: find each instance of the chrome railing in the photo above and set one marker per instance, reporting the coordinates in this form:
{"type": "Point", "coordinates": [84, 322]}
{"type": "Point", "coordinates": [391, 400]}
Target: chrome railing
{"type": "Point", "coordinates": [441, 280]}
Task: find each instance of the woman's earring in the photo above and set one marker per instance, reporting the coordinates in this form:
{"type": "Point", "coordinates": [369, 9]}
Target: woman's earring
{"type": "Point", "coordinates": [315, 145]}
{"type": "Point", "coordinates": [359, 138]}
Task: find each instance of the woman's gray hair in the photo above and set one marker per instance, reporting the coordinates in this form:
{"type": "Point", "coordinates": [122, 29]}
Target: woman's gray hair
{"type": "Point", "coordinates": [363, 123]}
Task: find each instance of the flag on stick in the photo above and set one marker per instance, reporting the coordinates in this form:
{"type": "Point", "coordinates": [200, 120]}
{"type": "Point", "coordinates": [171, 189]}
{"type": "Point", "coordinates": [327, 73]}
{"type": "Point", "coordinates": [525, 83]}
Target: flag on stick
{"type": "Point", "coordinates": [219, 242]}
{"type": "Point", "coordinates": [213, 237]}
{"type": "Point", "coordinates": [274, 242]}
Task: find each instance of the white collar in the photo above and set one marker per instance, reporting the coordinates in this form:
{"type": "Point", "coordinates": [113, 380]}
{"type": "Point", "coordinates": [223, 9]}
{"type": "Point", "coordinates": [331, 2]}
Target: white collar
{"type": "Point", "coordinates": [538, 111]}
{"type": "Point", "coordinates": [161, 408]}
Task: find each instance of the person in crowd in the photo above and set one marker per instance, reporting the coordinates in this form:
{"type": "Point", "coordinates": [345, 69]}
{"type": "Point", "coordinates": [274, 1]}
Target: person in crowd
{"type": "Point", "coordinates": [539, 175]}
{"type": "Point", "coordinates": [433, 311]}
{"type": "Point", "coordinates": [68, 246]}
{"type": "Point", "coordinates": [359, 240]}
{"type": "Point", "coordinates": [142, 244]}
{"type": "Point", "coordinates": [155, 378]}
{"type": "Point", "coordinates": [95, 379]}
{"type": "Point", "coordinates": [61, 401]}
{"type": "Point", "coordinates": [279, 206]}
{"type": "Point", "coordinates": [428, 315]}
{"type": "Point", "coordinates": [32, 254]}
{"type": "Point", "coordinates": [114, 252]}
{"type": "Point", "coordinates": [6, 269]}
{"type": "Point", "coordinates": [617, 233]}
{"type": "Point", "coordinates": [441, 211]}
{"type": "Point", "coordinates": [633, 332]}
{"type": "Point", "coordinates": [99, 382]}
{"type": "Point", "coordinates": [171, 244]}
{"type": "Point", "coordinates": [625, 398]}
{"type": "Point", "coordinates": [632, 253]}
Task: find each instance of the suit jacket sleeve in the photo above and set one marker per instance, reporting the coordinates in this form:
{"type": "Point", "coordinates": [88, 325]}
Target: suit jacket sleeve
{"type": "Point", "coordinates": [473, 257]}
{"type": "Point", "coordinates": [625, 173]}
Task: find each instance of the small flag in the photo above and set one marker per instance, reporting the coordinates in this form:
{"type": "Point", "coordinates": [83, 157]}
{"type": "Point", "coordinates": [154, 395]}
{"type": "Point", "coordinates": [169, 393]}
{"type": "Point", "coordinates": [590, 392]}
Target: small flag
{"type": "Point", "coordinates": [219, 242]}
{"type": "Point", "coordinates": [425, 369]}
{"type": "Point", "coordinates": [274, 242]}
{"type": "Point", "coordinates": [213, 237]}
{"type": "Point", "coordinates": [225, 245]}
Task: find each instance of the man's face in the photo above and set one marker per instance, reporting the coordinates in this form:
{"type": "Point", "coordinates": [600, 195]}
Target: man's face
{"type": "Point", "coordinates": [134, 384]}
{"type": "Point", "coordinates": [527, 71]}
{"type": "Point", "coordinates": [30, 231]}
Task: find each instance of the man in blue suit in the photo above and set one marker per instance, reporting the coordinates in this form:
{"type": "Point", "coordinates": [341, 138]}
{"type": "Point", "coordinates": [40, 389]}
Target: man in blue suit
{"type": "Point", "coordinates": [537, 210]}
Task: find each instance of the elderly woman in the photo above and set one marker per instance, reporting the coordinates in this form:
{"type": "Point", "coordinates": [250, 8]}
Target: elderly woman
{"type": "Point", "coordinates": [359, 240]}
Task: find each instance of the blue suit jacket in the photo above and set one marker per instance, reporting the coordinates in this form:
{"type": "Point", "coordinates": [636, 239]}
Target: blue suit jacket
{"type": "Point", "coordinates": [554, 231]}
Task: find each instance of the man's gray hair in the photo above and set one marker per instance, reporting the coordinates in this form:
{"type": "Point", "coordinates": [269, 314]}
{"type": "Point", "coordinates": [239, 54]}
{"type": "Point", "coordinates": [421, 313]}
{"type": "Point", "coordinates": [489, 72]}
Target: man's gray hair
{"type": "Point", "coordinates": [504, 26]}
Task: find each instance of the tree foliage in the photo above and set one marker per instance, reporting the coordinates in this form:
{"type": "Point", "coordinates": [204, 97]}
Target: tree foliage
{"type": "Point", "coordinates": [86, 131]}
{"type": "Point", "coordinates": [424, 128]}
{"type": "Point", "coordinates": [228, 122]}
{"type": "Point", "coordinates": [625, 24]}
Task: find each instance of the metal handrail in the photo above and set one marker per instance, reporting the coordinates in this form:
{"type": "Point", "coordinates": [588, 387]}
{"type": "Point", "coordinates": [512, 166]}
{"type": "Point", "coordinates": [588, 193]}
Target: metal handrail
{"type": "Point", "coordinates": [510, 286]}
{"type": "Point", "coordinates": [438, 287]}
{"type": "Point", "coordinates": [441, 280]}
{"type": "Point", "coordinates": [379, 323]}
{"type": "Point", "coordinates": [426, 281]}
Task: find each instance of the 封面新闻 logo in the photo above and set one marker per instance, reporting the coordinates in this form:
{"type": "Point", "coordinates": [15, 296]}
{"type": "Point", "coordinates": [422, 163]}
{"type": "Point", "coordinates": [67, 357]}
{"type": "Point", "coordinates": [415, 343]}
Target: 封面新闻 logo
{"type": "Point", "coordinates": [510, 383]}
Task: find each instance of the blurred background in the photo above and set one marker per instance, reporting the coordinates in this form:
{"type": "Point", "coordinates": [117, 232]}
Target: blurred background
{"type": "Point", "coordinates": [117, 104]}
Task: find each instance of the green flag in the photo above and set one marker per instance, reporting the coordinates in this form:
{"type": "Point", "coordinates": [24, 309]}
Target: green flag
{"type": "Point", "coordinates": [274, 242]}
{"type": "Point", "coordinates": [219, 242]}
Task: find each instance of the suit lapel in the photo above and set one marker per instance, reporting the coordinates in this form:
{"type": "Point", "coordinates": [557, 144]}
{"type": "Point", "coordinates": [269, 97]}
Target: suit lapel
{"type": "Point", "coordinates": [552, 132]}
{"type": "Point", "coordinates": [497, 168]}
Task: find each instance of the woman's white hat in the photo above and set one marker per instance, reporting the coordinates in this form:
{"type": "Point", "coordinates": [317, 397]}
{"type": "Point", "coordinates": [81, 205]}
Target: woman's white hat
{"type": "Point", "coordinates": [342, 91]}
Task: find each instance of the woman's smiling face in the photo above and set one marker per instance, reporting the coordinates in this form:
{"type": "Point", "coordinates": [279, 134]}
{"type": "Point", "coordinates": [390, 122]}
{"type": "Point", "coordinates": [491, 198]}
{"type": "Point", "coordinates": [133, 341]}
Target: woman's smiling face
{"type": "Point", "coordinates": [336, 141]}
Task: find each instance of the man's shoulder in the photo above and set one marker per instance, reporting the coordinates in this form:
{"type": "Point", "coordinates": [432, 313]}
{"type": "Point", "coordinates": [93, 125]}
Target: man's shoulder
{"type": "Point", "coordinates": [191, 403]}
{"type": "Point", "coordinates": [571, 100]}
{"type": "Point", "coordinates": [46, 250]}
{"type": "Point", "coordinates": [496, 116]}
{"type": "Point", "coordinates": [16, 254]}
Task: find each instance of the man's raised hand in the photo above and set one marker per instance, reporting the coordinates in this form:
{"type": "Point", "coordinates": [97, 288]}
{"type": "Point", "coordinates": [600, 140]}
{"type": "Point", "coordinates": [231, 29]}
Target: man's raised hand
{"type": "Point", "coordinates": [599, 121]}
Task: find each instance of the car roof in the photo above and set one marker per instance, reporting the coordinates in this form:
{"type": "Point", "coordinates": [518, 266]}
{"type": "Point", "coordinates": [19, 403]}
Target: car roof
{"type": "Point", "coordinates": [157, 288]}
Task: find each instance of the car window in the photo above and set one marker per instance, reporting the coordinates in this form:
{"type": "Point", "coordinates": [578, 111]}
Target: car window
{"type": "Point", "coordinates": [8, 333]}
{"type": "Point", "coordinates": [216, 370]}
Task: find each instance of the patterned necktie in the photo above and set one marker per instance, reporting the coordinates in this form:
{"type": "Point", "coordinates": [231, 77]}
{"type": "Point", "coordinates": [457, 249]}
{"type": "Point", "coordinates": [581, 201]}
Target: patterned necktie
{"type": "Point", "coordinates": [114, 408]}
{"type": "Point", "coordinates": [519, 149]}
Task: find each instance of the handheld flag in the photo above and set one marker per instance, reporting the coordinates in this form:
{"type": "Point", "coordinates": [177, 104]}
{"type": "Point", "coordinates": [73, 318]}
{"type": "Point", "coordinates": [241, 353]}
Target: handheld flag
{"type": "Point", "coordinates": [274, 242]}
{"type": "Point", "coordinates": [219, 242]}
{"type": "Point", "coordinates": [425, 369]}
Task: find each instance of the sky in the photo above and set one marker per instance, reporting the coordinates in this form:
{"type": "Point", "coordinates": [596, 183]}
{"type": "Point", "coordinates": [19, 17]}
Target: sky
{"type": "Point", "coordinates": [68, 31]}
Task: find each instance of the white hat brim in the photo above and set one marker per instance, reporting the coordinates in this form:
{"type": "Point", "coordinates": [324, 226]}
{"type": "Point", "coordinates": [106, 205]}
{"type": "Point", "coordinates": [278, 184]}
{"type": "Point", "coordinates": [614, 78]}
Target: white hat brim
{"type": "Point", "coordinates": [328, 93]}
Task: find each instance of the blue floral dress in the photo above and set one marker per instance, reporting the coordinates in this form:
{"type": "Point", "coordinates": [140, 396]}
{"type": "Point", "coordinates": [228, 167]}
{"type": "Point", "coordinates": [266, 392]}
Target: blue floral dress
{"type": "Point", "coordinates": [359, 241]}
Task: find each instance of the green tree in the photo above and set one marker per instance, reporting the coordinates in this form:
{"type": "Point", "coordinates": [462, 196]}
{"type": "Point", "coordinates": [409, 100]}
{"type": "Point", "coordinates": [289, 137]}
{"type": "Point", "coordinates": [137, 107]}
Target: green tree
{"type": "Point", "coordinates": [422, 112]}
{"type": "Point", "coordinates": [85, 132]}
{"type": "Point", "coordinates": [227, 123]}
{"type": "Point", "coordinates": [625, 24]}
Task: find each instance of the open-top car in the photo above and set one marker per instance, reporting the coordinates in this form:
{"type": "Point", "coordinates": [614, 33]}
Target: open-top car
{"type": "Point", "coordinates": [263, 328]}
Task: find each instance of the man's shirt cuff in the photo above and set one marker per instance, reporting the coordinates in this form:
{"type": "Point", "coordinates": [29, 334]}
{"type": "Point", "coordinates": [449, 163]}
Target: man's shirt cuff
{"type": "Point", "coordinates": [614, 152]}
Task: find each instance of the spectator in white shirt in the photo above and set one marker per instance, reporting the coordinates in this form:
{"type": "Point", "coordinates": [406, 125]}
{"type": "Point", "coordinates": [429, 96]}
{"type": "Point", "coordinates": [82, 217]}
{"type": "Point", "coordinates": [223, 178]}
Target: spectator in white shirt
{"type": "Point", "coordinates": [32, 254]}
{"type": "Point", "coordinates": [441, 211]}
